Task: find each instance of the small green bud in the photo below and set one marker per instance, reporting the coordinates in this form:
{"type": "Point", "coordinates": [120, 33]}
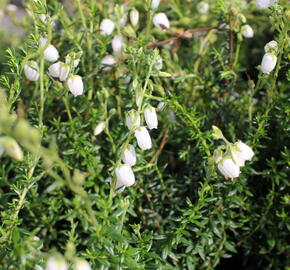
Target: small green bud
{"type": "Point", "coordinates": [164, 74]}
{"type": "Point", "coordinates": [99, 128]}
{"type": "Point", "coordinates": [70, 250]}
{"type": "Point", "coordinates": [12, 148]}
{"type": "Point", "coordinates": [78, 177]}
{"type": "Point", "coordinates": [217, 133]}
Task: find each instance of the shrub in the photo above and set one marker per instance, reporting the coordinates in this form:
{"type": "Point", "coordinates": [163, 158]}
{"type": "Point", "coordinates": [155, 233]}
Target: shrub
{"type": "Point", "coordinates": [73, 96]}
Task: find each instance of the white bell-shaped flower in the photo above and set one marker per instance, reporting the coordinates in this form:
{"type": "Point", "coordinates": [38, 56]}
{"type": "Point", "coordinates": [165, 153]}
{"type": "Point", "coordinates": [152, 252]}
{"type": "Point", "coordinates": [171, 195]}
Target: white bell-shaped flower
{"type": "Point", "coordinates": [99, 128]}
{"type": "Point", "coordinates": [134, 17]}
{"type": "Point", "coordinates": [117, 45]}
{"type": "Point", "coordinates": [202, 7]}
{"type": "Point", "coordinates": [161, 105]}
{"type": "Point", "coordinates": [155, 4]}
{"type": "Point", "coordinates": [107, 27]}
{"type": "Point", "coordinates": [132, 119]}
{"type": "Point", "coordinates": [123, 20]}
{"type": "Point", "coordinates": [161, 21]}
{"type": "Point", "coordinates": [81, 264]}
{"type": "Point", "coordinates": [63, 71]}
{"type": "Point", "coordinates": [271, 46]}
{"type": "Point", "coordinates": [143, 138]}
{"type": "Point", "coordinates": [151, 117]}
{"type": "Point", "coordinates": [31, 71]}
{"type": "Point", "coordinates": [53, 70]}
{"type": "Point", "coordinates": [108, 60]}
{"type": "Point", "coordinates": [243, 152]}
{"type": "Point", "coordinates": [129, 157]}
{"type": "Point", "coordinates": [229, 168]}
{"type": "Point", "coordinates": [59, 70]}
{"type": "Point", "coordinates": [56, 263]}
{"type": "Point", "coordinates": [247, 31]}
{"type": "Point", "coordinates": [75, 85]}
{"type": "Point", "coordinates": [51, 53]}
{"type": "Point", "coordinates": [269, 62]}
{"type": "Point", "coordinates": [171, 117]}
{"type": "Point", "coordinates": [125, 176]}
{"type": "Point", "coordinates": [262, 4]}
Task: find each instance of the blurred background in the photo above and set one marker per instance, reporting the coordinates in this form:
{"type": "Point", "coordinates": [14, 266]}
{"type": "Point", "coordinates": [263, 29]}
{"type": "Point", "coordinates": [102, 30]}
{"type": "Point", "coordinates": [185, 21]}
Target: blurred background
{"type": "Point", "coordinates": [11, 27]}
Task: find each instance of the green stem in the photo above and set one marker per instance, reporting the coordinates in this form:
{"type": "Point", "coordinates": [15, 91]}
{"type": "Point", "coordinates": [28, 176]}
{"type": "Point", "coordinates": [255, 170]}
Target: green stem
{"type": "Point", "coordinates": [42, 99]}
{"type": "Point", "coordinates": [40, 50]}
{"type": "Point", "coordinates": [237, 53]}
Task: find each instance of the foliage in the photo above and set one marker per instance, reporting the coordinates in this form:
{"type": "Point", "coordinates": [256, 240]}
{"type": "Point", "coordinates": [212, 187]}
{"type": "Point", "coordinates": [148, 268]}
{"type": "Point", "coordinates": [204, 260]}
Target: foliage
{"type": "Point", "coordinates": [181, 213]}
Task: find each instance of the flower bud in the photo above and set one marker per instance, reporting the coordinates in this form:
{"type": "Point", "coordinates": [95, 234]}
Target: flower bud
{"type": "Point", "coordinates": [134, 17]}
{"type": "Point", "coordinates": [159, 64]}
{"type": "Point", "coordinates": [43, 18]}
{"type": "Point", "coordinates": [202, 7]}
{"type": "Point", "coordinates": [99, 128]}
{"type": "Point", "coordinates": [117, 45]}
{"type": "Point", "coordinates": [68, 59]}
{"type": "Point", "coordinates": [228, 168]}
{"type": "Point", "coordinates": [78, 177]}
{"type": "Point", "coordinates": [271, 46]}
{"type": "Point", "coordinates": [107, 27]}
{"type": "Point", "coordinates": [155, 4]}
{"type": "Point", "coordinates": [268, 62]}
{"type": "Point", "coordinates": [143, 138]}
{"type": "Point", "coordinates": [81, 264]}
{"type": "Point", "coordinates": [125, 176]}
{"type": "Point", "coordinates": [133, 119]}
{"type": "Point", "coordinates": [12, 148]}
{"type": "Point", "coordinates": [151, 117]}
{"type": "Point", "coordinates": [243, 152]}
{"type": "Point", "coordinates": [129, 157]}
{"type": "Point", "coordinates": [56, 263]}
{"type": "Point", "coordinates": [217, 133]}
{"type": "Point", "coordinates": [31, 71]}
{"type": "Point", "coordinates": [247, 31]}
{"type": "Point", "coordinates": [75, 85]}
{"type": "Point", "coordinates": [50, 54]}
{"type": "Point", "coordinates": [161, 21]}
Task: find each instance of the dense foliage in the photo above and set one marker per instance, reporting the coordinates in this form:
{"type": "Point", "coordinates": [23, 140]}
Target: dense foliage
{"type": "Point", "coordinates": [181, 213]}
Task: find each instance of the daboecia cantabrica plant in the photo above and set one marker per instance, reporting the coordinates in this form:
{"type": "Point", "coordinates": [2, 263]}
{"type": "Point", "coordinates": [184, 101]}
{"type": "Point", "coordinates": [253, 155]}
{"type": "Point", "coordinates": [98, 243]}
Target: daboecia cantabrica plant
{"type": "Point", "coordinates": [145, 135]}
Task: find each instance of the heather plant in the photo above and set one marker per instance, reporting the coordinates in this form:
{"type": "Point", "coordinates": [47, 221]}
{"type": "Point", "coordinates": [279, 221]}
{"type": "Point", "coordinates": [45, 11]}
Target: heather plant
{"type": "Point", "coordinates": [146, 135]}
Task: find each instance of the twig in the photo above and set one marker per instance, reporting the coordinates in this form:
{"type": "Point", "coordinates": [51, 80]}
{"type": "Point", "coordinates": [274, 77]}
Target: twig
{"type": "Point", "coordinates": [161, 146]}
{"type": "Point", "coordinates": [181, 34]}
{"type": "Point", "coordinates": [231, 41]}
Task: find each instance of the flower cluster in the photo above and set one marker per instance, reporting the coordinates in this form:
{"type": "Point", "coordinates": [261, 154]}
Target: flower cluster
{"type": "Point", "coordinates": [269, 59]}
{"type": "Point", "coordinates": [58, 70]}
{"type": "Point", "coordinates": [124, 173]}
{"type": "Point", "coordinates": [231, 156]}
